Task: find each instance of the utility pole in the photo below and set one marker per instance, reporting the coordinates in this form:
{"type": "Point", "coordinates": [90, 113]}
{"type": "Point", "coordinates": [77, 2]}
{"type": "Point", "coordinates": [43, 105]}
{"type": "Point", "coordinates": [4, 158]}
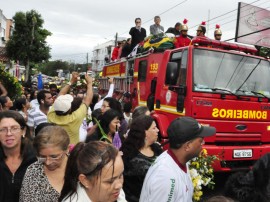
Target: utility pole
{"type": "Point", "coordinates": [116, 38]}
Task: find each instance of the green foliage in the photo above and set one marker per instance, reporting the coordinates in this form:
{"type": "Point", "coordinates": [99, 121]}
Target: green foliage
{"type": "Point", "coordinates": [50, 68]}
{"type": "Point", "coordinates": [11, 83]}
{"type": "Point", "coordinates": [265, 52]}
{"type": "Point", "coordinates": [28, 41]}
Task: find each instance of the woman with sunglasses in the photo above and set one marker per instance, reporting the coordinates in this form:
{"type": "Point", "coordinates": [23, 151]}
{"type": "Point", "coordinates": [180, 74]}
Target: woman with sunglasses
{"type": "Point", "coordinates": [16, 154]}
{"type": "Point", "coordinates": [94, 172]}
{"type": "Point", "coordinates": [44, 179]}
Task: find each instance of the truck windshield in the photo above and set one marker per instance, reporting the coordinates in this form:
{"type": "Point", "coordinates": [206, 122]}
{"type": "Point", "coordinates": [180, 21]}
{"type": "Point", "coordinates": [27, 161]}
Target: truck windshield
{"type": "Point", "coordinates": [238, 74]}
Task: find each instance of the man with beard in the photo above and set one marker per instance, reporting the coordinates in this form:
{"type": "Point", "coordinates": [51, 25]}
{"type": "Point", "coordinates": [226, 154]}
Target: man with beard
{"type": "Point", "coordinates": [183, 39]}
{"type": "Point", "coordinates": [168, 178]}
{"type": "Point", "coordinates": [38, 115]}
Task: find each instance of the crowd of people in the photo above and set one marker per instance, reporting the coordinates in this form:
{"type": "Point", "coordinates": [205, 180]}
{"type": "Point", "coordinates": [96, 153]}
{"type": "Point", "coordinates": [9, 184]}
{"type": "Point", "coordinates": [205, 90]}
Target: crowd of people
{"type": "Point", "coordinates": [53, 151]}
{"type": "Point", "coordinates": [139, 34]}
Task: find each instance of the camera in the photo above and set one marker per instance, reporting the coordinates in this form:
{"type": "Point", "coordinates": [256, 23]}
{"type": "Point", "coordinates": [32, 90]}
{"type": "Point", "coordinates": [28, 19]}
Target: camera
{"type": "Point", "coordinates": [82, 76]}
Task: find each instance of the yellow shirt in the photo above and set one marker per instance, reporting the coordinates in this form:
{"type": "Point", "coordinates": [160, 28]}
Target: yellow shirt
{"type": "Point", "coordinates": [71, 122]}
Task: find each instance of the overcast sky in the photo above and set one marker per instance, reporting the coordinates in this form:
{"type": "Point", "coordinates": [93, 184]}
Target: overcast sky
{"type": "Point", "coordinates": [79, 25]}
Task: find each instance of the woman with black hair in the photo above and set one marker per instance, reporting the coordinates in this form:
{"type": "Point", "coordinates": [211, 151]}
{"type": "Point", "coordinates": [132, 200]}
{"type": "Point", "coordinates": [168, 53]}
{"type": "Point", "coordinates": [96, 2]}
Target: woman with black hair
{"type": "Point", "coordinates": [16, 153]}
{"type": "Point", "coordinates": [112, 103]}
{"type": "Point", "coordinates": [6, 102]}
{"type": "Point", "coordinates": [107, 127]}
{"type": "Point", "coordinates": [95, 100]}
{"type": "Point", "coordinates": [22, 105]}
{"type": "Point", "coordinates": [94, 172]}
{"type": "Point", "coordinates": [139, 152]}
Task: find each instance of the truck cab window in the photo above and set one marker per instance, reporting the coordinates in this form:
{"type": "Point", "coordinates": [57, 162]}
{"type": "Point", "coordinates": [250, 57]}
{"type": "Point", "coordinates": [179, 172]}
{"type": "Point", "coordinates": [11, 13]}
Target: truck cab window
{"type": "Point", "coordinates": [182, 70]}
{"type": "Point", "coordinates": [142, 70]}
{"type": "Point", "coordinates": [180, 59]}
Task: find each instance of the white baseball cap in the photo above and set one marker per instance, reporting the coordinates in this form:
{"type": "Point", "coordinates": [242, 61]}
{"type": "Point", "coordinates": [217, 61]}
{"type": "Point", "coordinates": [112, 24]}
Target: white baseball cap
{"type": "Point", "coordinates": [63, 103]}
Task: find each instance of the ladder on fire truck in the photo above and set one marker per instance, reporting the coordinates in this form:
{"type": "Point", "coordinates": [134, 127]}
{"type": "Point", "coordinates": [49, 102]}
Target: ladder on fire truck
{"type": "Point", "coordinates": [121, 84]}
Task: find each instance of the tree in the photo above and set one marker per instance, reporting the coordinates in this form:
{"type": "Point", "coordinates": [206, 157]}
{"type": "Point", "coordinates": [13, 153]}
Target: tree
{"type": "Point", "coordinates": [265, 52]}
{"type": "Point", "coordinates": [28, 41]}
{"type": "Point", "coordinates": [11, 83]}
{"type": "Point", "coordinates": [50, 68]}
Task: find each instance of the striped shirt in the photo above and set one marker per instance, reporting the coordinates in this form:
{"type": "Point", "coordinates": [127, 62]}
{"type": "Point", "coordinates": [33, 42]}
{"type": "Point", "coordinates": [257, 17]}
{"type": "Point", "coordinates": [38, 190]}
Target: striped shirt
{"type": "Point", "coordinates": [36, 117]}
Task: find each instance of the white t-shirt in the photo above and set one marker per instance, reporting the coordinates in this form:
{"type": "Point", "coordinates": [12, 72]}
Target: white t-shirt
{"type": "Point", "coordinates": [166, 181]}
{"type": "Point", "coordinates": [127, 118]}
{"type": "Point", "coordinates": [81, 196]}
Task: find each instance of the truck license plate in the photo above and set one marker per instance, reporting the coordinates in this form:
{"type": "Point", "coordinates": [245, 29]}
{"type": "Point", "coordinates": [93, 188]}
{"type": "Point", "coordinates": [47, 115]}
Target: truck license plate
{"type": "Point", "coordinates": [242, 153]}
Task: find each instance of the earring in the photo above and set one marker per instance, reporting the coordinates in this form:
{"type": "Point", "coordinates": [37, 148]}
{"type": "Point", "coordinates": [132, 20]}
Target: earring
{"type": "Point", "coordinates": [23, 136]}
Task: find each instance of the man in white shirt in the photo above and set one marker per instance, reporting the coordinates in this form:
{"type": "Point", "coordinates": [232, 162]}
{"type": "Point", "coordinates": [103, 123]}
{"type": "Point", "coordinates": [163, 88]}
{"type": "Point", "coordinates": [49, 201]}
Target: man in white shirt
{"type": "Point", "coordinates": [38, 115]}
{"type": "Point", "coordinates": [168, 179]}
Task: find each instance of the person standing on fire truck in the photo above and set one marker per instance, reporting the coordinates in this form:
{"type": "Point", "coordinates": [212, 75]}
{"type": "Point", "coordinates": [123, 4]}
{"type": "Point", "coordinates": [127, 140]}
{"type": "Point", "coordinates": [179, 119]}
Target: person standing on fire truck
{"type": "Point", "coordinates": [137, 33]}
{"type": "Point", "coordinates": [116, 51]}
{"type": "Point", "coordinates": [201, 29]}
{"type": "Point", "coordinates": [156, 28]}
{"type": "Point", "coordinates": [183, 39]}
{"type": "Point", "coordinates": [176, 30]}
{"type": "Point", "coordinates": [168, 178]}
{"type": "Point", "coordinates": [217, 33]}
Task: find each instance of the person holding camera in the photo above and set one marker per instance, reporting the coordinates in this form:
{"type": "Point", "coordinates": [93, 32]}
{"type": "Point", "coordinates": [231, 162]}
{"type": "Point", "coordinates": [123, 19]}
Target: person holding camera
{"type": "Point", "coordinates": [61, 113]}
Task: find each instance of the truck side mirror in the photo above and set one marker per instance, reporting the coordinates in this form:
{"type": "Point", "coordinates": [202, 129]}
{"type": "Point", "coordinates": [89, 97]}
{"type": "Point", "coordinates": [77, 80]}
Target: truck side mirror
{"type": "Point", "coordinates": [171, 73]}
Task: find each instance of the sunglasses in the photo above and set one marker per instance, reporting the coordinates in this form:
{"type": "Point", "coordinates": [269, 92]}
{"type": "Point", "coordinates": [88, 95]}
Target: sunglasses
{"type": "Point", "coordinates": [138, 22]}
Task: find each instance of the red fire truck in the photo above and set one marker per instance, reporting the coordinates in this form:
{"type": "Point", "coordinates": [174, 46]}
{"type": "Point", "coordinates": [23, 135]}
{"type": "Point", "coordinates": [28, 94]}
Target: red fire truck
{"type": "Point", "coordinates": [221, 84]}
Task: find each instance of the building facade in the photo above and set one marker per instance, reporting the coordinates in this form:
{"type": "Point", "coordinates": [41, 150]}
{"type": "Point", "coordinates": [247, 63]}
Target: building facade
{"type": "Point", "coordinates": [102, 53]}
{"type": "Point", "coordinates": [6, 30]}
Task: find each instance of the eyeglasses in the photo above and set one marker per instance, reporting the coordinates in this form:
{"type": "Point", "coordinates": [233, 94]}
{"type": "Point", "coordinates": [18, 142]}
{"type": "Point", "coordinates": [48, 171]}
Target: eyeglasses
{"type": "Point", "coordinates": [51, 158]}
{"type": "Point", "coordinates": [138, 22]}
{"type": "Point", "coordinates": [13, 130]}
